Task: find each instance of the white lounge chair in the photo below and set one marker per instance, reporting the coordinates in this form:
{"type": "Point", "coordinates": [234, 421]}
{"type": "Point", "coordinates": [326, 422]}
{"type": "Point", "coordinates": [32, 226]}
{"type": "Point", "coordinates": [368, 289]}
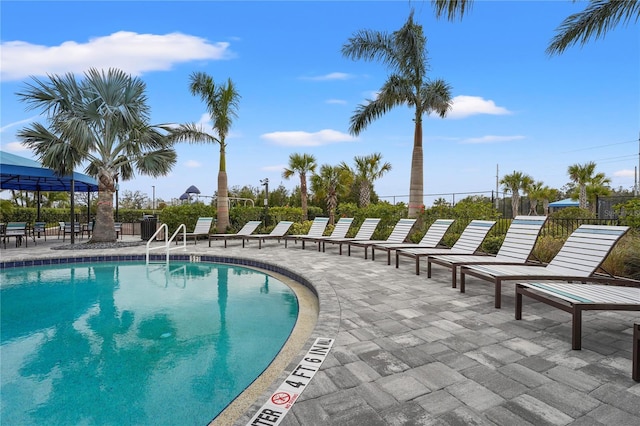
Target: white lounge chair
{"type": "Point", "coordinates": [580, 257]}
{"type": "Point", "coordinates": [339, 231]}
{"type": "Point", "coordinates": [575, 298]}
{"type": "Point", "coordinates": [365, 232]}
{"type": "Point", "coordinates": [248, 229]}
{"type": "Point", "coordinates": [431, 239]}
{"type": "Point", "coordinates": [277, 233]}
{"type": "Point", "coordinates": [317, 228]}
{"type": "Point", "coordinates": [398, 235]}
{"type": "Point", "coordinates": [468, 243]}
{"type": "Point", "coordinates": [516, 248]}
{"type": "Point", "coordinates": [202, 228]}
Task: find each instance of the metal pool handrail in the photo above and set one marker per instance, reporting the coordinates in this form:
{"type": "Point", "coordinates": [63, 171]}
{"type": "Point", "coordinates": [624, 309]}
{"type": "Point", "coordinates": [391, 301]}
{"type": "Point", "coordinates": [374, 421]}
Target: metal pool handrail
{"type": "Point", "coordinates": [168, 241]}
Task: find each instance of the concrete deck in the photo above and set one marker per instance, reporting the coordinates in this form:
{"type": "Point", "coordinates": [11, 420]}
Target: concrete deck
{"type": "Point", "coordinates": [413, 351]}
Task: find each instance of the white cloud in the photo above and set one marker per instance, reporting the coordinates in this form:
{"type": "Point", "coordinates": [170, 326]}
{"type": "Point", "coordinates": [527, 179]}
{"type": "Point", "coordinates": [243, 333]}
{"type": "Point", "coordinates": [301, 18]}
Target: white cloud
{"type": "Point", "coordinates": [17, 123]}
{"type": "Point", "coordinates": [276, 168]}
{"type": "Point", "coordinates": [492, 139]}
{"type": "Point", "coordinates": [15, 147]}
{"type": "Point", "coordinates": [329, 77]}
{"type": "Point", "coordinates": [625, 173]}
{"type": "Point", "coordinates": [132, 52]}
{"type": "Point", "coordinates": [465, 106]}
{"type": "Point", "coordinates": [193, 164]}
{"type": "Point", "coordinates": [299, 138]}
{"type": "Point", "coordinates": [336, 101]}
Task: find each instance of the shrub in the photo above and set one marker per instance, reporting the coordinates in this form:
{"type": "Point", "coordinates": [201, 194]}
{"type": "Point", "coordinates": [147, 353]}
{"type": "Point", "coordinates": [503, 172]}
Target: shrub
{"type": "Point", "coordinates": [492, 243]}
{"type": "Point", "coordinates": [624, 259]}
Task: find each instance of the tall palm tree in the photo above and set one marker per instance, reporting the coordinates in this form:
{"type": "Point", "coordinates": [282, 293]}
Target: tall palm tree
{"type": "Point", "coordinates": [582, 174]}
{"type": "Point", "coordinates": [404, 51]}
{"type": "Point", "coordinates": [331, 181]}
{"type": "Point", "coordinates": [301, 164]}
{"type": "Point", "coordinates": [594, 21]}
{"type": "Point", "coordinates": [368, 169]}
{"type": "Point", "coordinates": [222, 105]}
{"type": "Point", "coordinates": [513, 183]}
{"type": "Point", "coordinates": [103, 121]}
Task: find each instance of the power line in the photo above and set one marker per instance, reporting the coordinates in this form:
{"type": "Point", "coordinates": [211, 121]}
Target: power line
{"type": "Point", "coordinates": [599, 146]}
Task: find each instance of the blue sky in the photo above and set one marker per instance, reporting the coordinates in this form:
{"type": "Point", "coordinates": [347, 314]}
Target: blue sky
{"type": "Point", "coordinates": [515, 108]}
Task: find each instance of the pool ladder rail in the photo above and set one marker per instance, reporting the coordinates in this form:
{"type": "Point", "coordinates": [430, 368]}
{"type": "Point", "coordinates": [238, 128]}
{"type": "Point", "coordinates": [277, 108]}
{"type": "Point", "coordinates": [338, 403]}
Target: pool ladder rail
{"type": "Point", "coordinates": [167, 241]}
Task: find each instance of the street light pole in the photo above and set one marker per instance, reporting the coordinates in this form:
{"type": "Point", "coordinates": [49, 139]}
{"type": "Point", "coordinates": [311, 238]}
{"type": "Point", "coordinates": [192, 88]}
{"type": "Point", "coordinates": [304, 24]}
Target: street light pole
{"type": "Point", "coordinates": [153, 202]}
{"type": "Point", "coordinates": [265, 182]}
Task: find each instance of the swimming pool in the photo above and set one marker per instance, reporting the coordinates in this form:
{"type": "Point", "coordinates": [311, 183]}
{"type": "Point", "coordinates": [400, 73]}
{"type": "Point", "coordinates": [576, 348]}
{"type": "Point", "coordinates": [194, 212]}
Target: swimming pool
{"type": "Point", "coordinates": [122, 343]}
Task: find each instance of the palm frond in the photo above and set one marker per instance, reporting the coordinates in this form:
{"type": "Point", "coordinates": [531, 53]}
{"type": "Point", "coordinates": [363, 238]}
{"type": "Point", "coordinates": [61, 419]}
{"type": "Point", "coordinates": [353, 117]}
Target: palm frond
{"type": "Point", "coordinates": [192, 133]}
{"type": "Point", "coordinates": [595, 21]}
{"type": "Point", "coordinates": [436, 97]}
{"type": "Point", "coordinates": [452, 8]}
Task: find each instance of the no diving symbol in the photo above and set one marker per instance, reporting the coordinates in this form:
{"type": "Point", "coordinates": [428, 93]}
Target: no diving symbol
{"type": "Point", "coordinates": [280, 398]}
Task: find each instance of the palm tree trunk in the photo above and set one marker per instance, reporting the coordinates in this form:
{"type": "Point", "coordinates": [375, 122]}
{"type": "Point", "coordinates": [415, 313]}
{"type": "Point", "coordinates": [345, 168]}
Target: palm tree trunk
{"type": "Point", "coordinates": [515, 203]}
{"type": "Point", "coordinates": [416, 187]}
{"type": "Point", "coordinates": [104, 229]}
{"type": "Point", "coordinates": [223, 194]}
{"type": "Point", "coordinates": [365, 194]}
{"type": "Point", "coordinates": [303, 195]}
{"type": "Point", "coordinates": [583, 196]}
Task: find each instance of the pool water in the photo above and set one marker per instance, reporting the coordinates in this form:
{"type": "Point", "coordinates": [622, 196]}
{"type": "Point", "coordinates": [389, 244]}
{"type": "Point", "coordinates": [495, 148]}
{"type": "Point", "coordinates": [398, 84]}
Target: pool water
{"type": "Point", "coordinates": [130, 344]}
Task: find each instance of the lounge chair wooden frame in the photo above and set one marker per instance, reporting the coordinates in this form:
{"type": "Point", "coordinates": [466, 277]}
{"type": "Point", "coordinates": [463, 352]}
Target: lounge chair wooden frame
{"type": "Point", "coordinates": [468, 243]}
{"type": "Point", "coordinates": [515, 249]}
{"type": "Point", "coordinates": [431, 239]}
{"type": "Point", "coordinates": [580, 257]}
{"type": "Point", "coordinates": [575, 298]}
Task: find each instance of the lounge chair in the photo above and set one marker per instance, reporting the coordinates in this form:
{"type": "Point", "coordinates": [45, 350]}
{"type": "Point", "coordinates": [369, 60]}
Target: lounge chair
{"type": "Point", "coordinates": [318, 226]}
{"type": "Point", "coordinates": [339, 231]}
{"type": "Point", "coordinates": [468, 243]}
{"type": "Point", "coordinates": [398, 235]}
{"type": "Point", "coordinates": [575, 298]}
{"type": "Point", "coordinates": [248, 229]}
{"type": "Point", "coordinates": [580, 257]}
{"type": "Point", "coordinates": [431, 239]}
{"type": "Point", "coordinates": [365, 232]}
{"type": "Point", "coordinates": [17, 230]}
{"type": "Point", "coordinates": [276, 234]}
{"type": "Point", "coordinates": [202, 228]}
{"type": "Point", "coordinates": [516, 248]}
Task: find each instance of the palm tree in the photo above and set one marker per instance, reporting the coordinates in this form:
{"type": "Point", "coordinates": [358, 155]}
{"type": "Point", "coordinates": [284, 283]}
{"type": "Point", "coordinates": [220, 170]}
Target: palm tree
{"type": "Point", "coordinates": [513, 183]}
{"type": "Point", "coordinates": [102, 121]}
{"type": "Point", "coordinates": [301, 164]}
{"type": "Point", "coordinates": [594, 21]}
{"type": "Point", "coordinates": [582, 174]}
{"type": "Point", "coordinates": [598, 186]}
{"type": "Point", "coordinates": [534, 192]}
{"type": "Point", "coordinates": [331, 181]}
{"type": "Point", "coordinates": [222, 106]}
{"type": "Point", "coordinates": [404, 51]}
{"type": "Point", "coordinates": [546, 195]}
{"type": "Point", "coordinates": [368, 169]}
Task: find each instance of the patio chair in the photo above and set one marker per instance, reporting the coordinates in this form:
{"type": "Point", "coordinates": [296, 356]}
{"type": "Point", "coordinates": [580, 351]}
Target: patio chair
{"type": "Point", "coordinates": [579, 258]}
{"type": "Point", "coordinates": [365, 232]}
{"type": "Point", "coordinates": [317, 228]}
{"type": "Point", "coordinates": [276, 234]}
{"type": "Point", "coordinates": [68, 228]}
{"type": "Point", "coordinates": [516, 248]}
{"type": "Point", "coordinates": [339, 231]}
{"type": "Point", "coordinates": [468, 243]}
{"type": "Point", "coordinates": [202, 228]}
{"type": "Point", "coordinates": [575, 298]}
{"type": "Point", "coordinates": [39, 228]}
{"type": "Point", "coordinates": [17, 230]}
{"type": "Point", "coordinates": [398, 234]}
{"type": "Point", "coordinates": [431, 239]}
{"type": "Point", "coordinates": [118, 228]}
{"type": "Point", "coordinates": [248, 229]}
